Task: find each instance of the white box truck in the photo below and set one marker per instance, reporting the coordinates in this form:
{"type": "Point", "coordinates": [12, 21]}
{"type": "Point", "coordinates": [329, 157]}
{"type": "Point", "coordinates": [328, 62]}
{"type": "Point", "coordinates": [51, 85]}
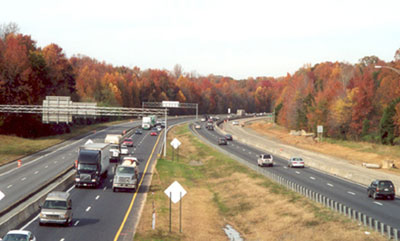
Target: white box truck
{"type": "Point", "coordinates": [92, 164]}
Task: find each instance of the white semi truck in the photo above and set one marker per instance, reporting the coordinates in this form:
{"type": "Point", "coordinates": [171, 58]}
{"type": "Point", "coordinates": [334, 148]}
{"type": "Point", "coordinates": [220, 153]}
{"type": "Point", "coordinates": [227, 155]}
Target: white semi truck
{"type": "Point", "coordinates": [126, 175]}
{"type": "Point", "coordinates": [148, 122]}
{"type": "Point", "coordinates": [92, 164]}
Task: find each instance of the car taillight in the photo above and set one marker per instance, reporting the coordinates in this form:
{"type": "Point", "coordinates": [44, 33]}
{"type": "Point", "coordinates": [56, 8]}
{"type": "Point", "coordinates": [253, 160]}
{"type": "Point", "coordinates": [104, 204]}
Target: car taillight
{"type": "Point", "coordinates": [377, 189]}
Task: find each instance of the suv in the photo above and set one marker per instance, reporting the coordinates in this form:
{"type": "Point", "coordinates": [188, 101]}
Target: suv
{"type": "Point", "coordinates": [381, 188]}
{"type": "Point", "coordinates": [57, 208]}
{"type": "Point", "coordinates": [222, 141]}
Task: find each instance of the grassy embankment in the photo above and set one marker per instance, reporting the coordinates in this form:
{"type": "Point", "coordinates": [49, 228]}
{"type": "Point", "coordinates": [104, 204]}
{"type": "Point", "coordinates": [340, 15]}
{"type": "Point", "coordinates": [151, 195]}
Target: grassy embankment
{"type": "Point", "coordinates": [12, 147]}
{"type": "Point", "coordinates": [222, 191]}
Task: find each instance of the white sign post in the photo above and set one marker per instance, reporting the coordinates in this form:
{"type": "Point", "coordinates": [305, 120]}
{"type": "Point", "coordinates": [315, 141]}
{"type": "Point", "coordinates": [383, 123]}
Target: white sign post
{"type": "Point", "coordinates": [175, 143]}
{"type": "Point", "coordinates": [2, 195]}
{"type": "Point", "coordinates": [175, 192]}
{"type": "Point", "coordinates": [320, 131]}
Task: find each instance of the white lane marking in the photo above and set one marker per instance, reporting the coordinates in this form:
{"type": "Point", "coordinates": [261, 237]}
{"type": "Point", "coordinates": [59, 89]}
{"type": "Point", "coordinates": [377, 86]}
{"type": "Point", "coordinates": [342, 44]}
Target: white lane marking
{"type": "Point", "coordinates": [30, 222]}
{"type": "Point", "coordinates": [244, 149]}
{"type": "Point", "coordinates": [285, 167]}
{"type": "Point", "coordinates": [249, 152]}
{"type": "Point", "coordinates": [46, 166]}
{"type": "Point", "coordinates": [23, 179]}
{"type": "Point", "coordinates": [63, 158]}
{"type": "Point", "coordinates": [9, 186]}
{"type": "Point", "coordinates": [55, 162]}
{"type": "Point", "coordinates": [70, 189]}
{"type": "Point", "coordinates": [351, 193]}
{"type": "Point", "coordinates": [97, 197]}
{"type": "Point", "coordinates": [313, 178]}
{"type": "Point", "coordinates": [62, 239]}
{"type": "Point", "coordinates": [76, 223]}
{"type": "Point", "coordinates": [36, 172]}
{"type": "Point", "coordinates": [104, 188]}
{"type": "Point", "coordinates": [378, 203]}
{"type": "Point", "coordinates": [88, 208]}
{"type": "Point", "coordinates": [297, 172]}
{"type": "Point", "coordinates": [329, 184]}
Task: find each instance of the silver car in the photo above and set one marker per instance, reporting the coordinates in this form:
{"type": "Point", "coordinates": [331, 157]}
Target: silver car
{"type": "Point", "coordinates": [296, 162]}
{"type": "Point", "coordinates": [22, 235]}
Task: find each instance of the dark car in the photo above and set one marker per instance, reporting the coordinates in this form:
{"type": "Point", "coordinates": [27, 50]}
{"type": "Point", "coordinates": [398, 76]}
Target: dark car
{"type": "Point", "coordinates": [210, 128]}
{"type": "Point", "coordinates": [128, 142]}
{"type": "Point", "coordinates": [222, 141]}
{"type": "Point", "coordinates": [228, 137]}
{"type": "Point", "coordinates": [381, 189]}
{"type": "Point", "coordinates": [138, 132]}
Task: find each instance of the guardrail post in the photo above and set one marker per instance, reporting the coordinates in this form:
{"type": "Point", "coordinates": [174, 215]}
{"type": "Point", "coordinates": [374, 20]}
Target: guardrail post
{"type": "Point", "coordinates": [389, 231]}
{"type": "Point", "coordinates": [349, 212]}
{"type": "Point", "coordinates": [376, 226]}
{"type": "Point", "coordinates": [340, 208]}
{"type": "Point", "coordinates": [370, 223]}
{"type": "Point", "coordinates": [364, 219]}
{"type": "Point", "coordinates": [396, 234]}
{"type": "Point", "coordinates": [382, 229]}
{"type": "Point", "coordinates": [336, 206]}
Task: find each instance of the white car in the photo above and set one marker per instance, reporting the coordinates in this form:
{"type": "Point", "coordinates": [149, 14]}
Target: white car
{"type": "Point", "coordinates": [203, 119]}
{"type": "Point", "coordinates": [235, 123]}
{"type": "Point", "coordinates": [124, 150]}
{"type": "Point", "coordinates": [197, 126]}
{"type": "Point", "coordinates": [22, 235]}
{"type": "Point", "coordinates": [159, 128]}
{"type": "Point", "coordinates": [296, 162]}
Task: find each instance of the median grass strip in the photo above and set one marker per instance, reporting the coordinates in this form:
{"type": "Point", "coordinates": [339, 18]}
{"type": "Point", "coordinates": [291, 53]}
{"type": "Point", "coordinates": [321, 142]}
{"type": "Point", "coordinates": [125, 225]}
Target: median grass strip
{"type": "Point", "coordinates": [12, 147]}
{"type": "Point", "coordinates": [222, 191]}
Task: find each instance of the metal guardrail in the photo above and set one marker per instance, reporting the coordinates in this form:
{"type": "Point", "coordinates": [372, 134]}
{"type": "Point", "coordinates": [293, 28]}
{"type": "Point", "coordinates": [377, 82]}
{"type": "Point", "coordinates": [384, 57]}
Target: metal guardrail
{"type": "Point", "coordinates": [353, 214]}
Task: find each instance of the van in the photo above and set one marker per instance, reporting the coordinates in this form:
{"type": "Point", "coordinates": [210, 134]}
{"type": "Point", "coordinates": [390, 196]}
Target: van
{"type": "Point", "coordinates": [57, 208]}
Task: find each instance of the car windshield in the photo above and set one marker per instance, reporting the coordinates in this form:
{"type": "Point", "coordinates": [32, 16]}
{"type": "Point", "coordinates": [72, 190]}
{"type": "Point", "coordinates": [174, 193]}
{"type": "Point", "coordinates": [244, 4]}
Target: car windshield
{"type": "Point", "coordinates": [87, 167]}
{"type": "Point", "coordinates": [297, 159]}
{"type": "Point", "coordinates": [114, 147]}
{"type": "Point", "coordinates": [128, 140]}
{"type": "Point", "coordinates": [125, 170]}
{"type": "Point", "coordinates": [385, 184]}
{"type": "Point", "coordinates": [54, 204]}
{"type": "Point", "coordinates": [15, 237]}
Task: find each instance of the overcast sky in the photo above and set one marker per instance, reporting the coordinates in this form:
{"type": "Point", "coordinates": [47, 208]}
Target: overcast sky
{"type": "Point", "coordinates": [233, 38]}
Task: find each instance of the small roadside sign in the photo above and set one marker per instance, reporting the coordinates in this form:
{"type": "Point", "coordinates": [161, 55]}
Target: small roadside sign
{"type": "Point", "coordinates": [175, 192]}
{"type": "Point", "coordinates": [320, 129]}
{"type": "Point", "coordinates": [2, 195]}
{"type": "Point", "coordinates": [88, 142]}
{"type": "Point", "coordinates": [175, 143]}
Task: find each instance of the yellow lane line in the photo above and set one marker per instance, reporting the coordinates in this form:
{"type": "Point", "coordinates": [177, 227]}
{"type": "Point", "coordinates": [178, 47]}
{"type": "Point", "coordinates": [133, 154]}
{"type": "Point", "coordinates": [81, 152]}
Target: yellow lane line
{"type": "Point", "coordinates": [136, 192]}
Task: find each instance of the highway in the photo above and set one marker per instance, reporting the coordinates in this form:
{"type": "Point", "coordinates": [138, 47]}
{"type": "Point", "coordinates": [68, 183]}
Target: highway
{"type": "Point", "coordinates": [98, 214]}
{"type": "Point", "coordinates": [350, 194]}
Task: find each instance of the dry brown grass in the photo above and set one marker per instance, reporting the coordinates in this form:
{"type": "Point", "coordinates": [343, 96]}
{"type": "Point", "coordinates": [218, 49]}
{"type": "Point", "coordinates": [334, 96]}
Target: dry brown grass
{"type": "Point", "coordinates": [223, 192]}
{"type": "Point", "coordinates": [12, 147]}
{"type": "Point", "coordinates": [356, 152]}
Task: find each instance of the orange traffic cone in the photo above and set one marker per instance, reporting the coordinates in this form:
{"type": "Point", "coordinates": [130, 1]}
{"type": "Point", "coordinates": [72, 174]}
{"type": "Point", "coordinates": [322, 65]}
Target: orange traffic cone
{"type": "Point", "coordinates": [19, 163]}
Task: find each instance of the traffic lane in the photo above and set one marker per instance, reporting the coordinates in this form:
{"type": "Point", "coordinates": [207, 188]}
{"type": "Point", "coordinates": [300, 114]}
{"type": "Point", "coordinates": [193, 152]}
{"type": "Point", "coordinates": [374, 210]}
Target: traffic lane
{"type": "Point", "coordinates": [382, 211]}
{"type": "Point", "coordinates": [16, 184]}
{"type": "Point", "coordinates": [95, 209]}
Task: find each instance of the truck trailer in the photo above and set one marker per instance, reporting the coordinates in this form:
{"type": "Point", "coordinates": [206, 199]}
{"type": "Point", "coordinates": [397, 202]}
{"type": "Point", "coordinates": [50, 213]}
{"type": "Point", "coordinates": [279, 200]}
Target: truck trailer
{"type": "Point", "coordinates": [92, 164]}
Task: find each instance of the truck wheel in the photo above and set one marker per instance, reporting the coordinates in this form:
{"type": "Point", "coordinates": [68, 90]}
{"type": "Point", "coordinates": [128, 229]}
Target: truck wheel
{"type": "Point", "coordinates": [114, 189]}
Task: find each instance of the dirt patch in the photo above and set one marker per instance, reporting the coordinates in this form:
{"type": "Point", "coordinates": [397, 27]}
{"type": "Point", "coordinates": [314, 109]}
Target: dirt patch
{"type": "Point", "coordinates": [221, 192]}
{"type": "Point", "coordinates": [355, 152]}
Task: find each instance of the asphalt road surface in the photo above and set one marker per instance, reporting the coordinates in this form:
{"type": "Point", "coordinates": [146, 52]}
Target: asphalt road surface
{"type": "Point", "coordinates": [98, 214]}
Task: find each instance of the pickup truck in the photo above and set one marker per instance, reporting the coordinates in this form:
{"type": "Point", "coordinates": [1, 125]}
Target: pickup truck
{"type": "Point", "coordinates": [265, 160]}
